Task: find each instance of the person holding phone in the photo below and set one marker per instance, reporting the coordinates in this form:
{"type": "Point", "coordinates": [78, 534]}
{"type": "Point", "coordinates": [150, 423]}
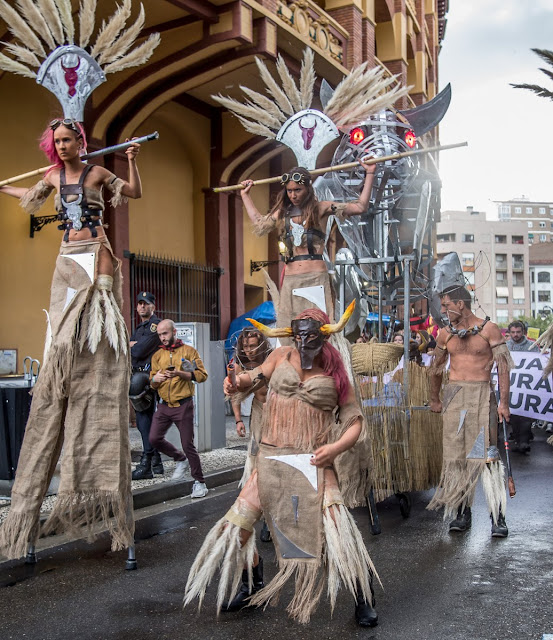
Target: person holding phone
{"type": "Point", "coordinates": [175, 368]}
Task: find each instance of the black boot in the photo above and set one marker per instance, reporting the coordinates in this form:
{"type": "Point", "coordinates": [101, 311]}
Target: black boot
{"type": "Point", "coordinates": [240, 600]}
{"type": "Point", "coordinates": [500, 529]}
{"type": "Point", "coordinates": [463, 520]}
{"type": "Point", "coordinates": [365, 613]}
{"type": "Point", "coordinates": [265, 534]}
{"type": "Point", "coordinates": [157, 465]}
{"type": "Point", "coordinates": [144, 469]}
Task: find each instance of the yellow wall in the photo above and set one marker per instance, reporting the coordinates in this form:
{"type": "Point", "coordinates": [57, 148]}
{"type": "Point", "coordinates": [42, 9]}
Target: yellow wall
{"type": "Point", "coordinates": [256, 248]}
{"type": "Point", "coordinates": [26, 264]}
{"type": "Point", "coordinates": [169, 218]}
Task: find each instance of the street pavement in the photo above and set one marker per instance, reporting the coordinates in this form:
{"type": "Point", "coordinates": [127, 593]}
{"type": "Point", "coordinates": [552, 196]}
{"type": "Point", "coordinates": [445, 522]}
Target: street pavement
{"type": "Point", "coordinates": [436, 585]}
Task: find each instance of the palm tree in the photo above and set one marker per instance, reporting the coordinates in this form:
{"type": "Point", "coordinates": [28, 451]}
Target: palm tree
{"type": "Point", "coordinates": [546, 55]}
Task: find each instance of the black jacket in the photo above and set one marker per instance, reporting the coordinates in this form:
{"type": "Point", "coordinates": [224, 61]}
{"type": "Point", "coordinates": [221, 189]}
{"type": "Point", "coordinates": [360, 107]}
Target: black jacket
{"type": "Point", "coordinates": [147, 342]}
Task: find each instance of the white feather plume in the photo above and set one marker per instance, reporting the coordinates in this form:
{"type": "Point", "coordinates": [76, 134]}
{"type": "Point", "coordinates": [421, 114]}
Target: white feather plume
{"type": "Point", "coordinates": [20, 28]}
{"type": "Point", "coordinates": [289, 84]}
{"type": "Point", "coordinates": [65, 11]}
{"type": "Point", "coordinates": [87, 20]}
{"type": "Point", "coordinates": [272, 87]}
{"type": "Point", "coordinates": [23, 54]}
{"type": "Point", "coordinates": [136, 57]}
{"type": "Point", "coordinates": [111, 29]}
{"type": "Point", "coordinates": [307, 78]}
{"type": "Point", "coordinates": [123, 43]}
{"type": "Point", "coordinates": [36, 20]}
{"type": "Point", "coordinates": [49, 10]}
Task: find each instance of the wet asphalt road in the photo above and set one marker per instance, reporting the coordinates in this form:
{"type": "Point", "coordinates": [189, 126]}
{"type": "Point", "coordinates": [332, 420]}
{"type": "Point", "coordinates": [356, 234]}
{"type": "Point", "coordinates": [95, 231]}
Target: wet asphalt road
{"type": "Point", "coordinates": [437, 586]}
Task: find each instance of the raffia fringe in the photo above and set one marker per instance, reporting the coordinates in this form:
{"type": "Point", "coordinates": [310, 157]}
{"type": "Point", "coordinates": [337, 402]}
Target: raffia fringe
{"type": "Point", "coordinates": [347, 559]}
{"type": "Point", "coordinates": [550, 440]}
{"type": "Point", "coordinates": [493, 482]}
{"type": "Point", "coordinates": [16, 533]}
{"type": "Point", "coordinates": [93, 511]}
{"type": "Point", "coordinates": [56, 374]}
{"type": "Point", "coordinates": [308, 589]}
{"type": "Point", "coordinates": [104, 317]}
{"type": "Point", "coordinates": [248, 467]}
{"type": "Point", "coordinates": [282, 415]}
{"type": "Point", "coordinates": [457, 486]}
{"type": "Point", "coordinates": [221, 550]}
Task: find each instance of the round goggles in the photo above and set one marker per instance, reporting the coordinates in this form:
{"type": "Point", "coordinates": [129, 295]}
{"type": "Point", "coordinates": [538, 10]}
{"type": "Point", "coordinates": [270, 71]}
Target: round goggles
{"type": "Point", "coordinates": [66, 122]}
{"type": "Point", "coordinates": [298, 177]}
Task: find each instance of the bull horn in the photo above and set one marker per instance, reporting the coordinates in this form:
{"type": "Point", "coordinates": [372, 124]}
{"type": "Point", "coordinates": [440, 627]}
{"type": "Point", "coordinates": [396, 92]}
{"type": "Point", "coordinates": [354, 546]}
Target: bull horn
{"type": "Point", "coordinates": [285, 332]}
{"type": "Point", "coordinates": [327, 329]}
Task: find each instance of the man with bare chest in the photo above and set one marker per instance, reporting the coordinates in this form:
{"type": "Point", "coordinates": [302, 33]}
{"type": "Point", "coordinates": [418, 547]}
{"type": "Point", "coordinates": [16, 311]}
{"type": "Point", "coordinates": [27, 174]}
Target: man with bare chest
{"type": "Point", "coordinates": [470, 412]}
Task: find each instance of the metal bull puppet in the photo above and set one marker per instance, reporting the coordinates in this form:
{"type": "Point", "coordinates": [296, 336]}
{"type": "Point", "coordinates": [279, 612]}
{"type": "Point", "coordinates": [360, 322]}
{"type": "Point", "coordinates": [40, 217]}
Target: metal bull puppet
{"type": "Point", "coordinates": [404, 200]}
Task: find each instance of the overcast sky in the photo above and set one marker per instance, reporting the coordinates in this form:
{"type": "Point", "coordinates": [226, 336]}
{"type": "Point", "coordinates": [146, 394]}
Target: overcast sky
{"type": "Point", "coordinates": [510, 131]}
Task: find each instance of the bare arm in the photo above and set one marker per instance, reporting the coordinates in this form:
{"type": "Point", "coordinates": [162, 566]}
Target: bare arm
{"type": "Point", "coordinates": [436, 373]}
{"type": "Point", "coordinates": [251, 209]}
{"type": "Point", "coordinates": [362, 204]}
{"type": "Point", "coordinates": [15, 192]}
{"type": "Point", "coordinates": [132, 188]}
{"type": "Point", "coordinates": [324, 456]}
{"type": "Point", "coordinates": [503, 375]}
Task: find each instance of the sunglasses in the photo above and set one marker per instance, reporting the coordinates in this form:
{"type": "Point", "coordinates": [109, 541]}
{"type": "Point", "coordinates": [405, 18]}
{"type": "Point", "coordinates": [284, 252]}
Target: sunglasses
{"type": "Point", "coordinates": [298, 177]}
{"type": "Point", "coordinates": [66, 122]}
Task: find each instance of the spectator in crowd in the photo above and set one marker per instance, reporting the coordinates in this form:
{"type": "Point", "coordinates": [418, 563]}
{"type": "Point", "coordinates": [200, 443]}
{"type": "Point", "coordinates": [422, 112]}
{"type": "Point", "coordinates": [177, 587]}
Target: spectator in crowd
{"type": "Point", "coordinates": [144, 343]}
{"type": "Point", "coordinates": [521, 426]}
{"type": "Point", "coordinates": [175, 368]}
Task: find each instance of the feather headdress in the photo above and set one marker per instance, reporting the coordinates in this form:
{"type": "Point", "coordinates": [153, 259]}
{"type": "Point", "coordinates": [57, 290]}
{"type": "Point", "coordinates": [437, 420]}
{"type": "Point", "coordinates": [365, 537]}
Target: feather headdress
{"type": "Point", "coordinates": [361, 94]}
{"type": "Point", "coordinates": [285, 113]}
{"type": "Point", "coordinates": [70, 71]}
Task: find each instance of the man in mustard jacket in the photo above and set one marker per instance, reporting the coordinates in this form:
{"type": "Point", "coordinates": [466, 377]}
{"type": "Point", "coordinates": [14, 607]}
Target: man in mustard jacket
{"type": "Point", "coordinates": [175, 368]}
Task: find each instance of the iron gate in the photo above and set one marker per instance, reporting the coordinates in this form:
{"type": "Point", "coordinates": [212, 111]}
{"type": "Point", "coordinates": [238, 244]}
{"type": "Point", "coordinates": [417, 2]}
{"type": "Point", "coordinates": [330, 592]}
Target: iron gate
{"type": "Point", "coordinates": [184, 291]}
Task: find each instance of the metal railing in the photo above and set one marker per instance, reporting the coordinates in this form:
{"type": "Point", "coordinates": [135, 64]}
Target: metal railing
{"type": "Point", "coordinates": [184, 291]}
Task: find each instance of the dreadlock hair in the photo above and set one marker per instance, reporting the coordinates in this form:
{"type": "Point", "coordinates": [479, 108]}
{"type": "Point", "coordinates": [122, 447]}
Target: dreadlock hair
{"type": "Point", "coordinates": [332, 362]}
{"type": "Point", "coordinates": [262, 351]}
{"type": "Point", "coordinates": [309, 207]}
{"type": "Point", "coordinates": [456, 294]}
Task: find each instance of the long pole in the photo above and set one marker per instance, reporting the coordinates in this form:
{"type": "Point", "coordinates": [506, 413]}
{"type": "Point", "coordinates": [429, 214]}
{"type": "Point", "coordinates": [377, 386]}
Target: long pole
{"type": "Point", "coordinates": [511, 482]}
{"type": "Point", "coordinates": [349, 165]}
{"type": "Point", "coordinates": [93, 154]}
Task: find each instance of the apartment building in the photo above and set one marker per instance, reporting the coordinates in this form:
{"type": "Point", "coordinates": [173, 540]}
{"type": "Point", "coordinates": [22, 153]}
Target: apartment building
{"type": "Point", "coordinates": [541, 279]}
{"type": "Point", "coordinates": [538, 217]}
{"type": "Point", "coordinates": [494, 255]}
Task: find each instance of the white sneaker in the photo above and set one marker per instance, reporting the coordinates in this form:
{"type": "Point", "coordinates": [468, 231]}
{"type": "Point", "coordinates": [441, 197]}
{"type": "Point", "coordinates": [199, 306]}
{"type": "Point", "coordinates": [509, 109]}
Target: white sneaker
{"type": "Point", "coordinates": [181, 469]}
{"type": "Point", "coordinates": [199, 490]}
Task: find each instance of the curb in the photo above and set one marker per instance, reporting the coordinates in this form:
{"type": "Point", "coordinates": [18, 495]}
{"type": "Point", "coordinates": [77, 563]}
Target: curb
{"type": "Point", "coordinates": [148, 496]}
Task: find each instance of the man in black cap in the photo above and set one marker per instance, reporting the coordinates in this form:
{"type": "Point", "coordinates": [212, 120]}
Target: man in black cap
{"type": "Point", "coordinates": [144, 343]}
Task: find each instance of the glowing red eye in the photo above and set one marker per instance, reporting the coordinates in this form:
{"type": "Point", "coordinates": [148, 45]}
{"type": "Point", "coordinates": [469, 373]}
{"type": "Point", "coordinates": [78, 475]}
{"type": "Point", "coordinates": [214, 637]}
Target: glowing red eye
{"type": "Point", "coordinates": [410, 139]}
{"type": "Point", "coordinates": [356, 135]}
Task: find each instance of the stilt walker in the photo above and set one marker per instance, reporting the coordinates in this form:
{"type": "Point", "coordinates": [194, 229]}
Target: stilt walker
{"type": "Point", "coordinates": [80, 401]}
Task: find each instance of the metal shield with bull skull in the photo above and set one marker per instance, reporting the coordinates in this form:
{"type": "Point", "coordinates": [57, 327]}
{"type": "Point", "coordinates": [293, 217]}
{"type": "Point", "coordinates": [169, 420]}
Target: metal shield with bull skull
{"type": "Point", "coordinates": [71, 74]}
{"type": "Point", "coordinates": [307, 133]}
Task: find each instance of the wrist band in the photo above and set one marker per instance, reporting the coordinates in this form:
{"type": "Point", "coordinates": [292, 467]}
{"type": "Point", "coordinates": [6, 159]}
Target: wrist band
{"type": "Point", "coordinates": [239, 421]}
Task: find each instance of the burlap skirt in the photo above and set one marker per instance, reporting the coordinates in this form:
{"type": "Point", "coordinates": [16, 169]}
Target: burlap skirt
{"type": "Point", "coordinates": [291, 304]}
{"type": "Point", "coordinates": [79, 410]}
{"type": "Point", "coordinates": [469, 411]}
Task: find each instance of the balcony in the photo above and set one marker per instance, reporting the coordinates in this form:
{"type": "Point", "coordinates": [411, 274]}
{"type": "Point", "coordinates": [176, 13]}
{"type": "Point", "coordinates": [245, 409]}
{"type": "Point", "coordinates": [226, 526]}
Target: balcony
{"type": "Point", "coordinates": [310, 21]}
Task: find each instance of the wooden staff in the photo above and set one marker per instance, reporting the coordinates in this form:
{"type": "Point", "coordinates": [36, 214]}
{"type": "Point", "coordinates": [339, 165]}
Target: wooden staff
{"type": "Point", "coordinates": [511, 482]}
{"type": "Point", "coordinates": [87, 156]}
{"type": "Point", "coordinates": [348, 165]}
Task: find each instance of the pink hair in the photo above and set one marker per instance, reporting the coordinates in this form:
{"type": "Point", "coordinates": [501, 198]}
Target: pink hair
{"type": "Point", "coordinates": [332, 362]}
{"type": "Point", "coordinates": [47, 145]}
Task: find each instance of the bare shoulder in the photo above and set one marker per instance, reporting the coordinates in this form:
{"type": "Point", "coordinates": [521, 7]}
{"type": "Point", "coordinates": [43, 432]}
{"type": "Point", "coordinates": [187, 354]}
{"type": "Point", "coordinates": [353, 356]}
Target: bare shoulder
{"type": "Point", "coordinates": [493, 333]}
